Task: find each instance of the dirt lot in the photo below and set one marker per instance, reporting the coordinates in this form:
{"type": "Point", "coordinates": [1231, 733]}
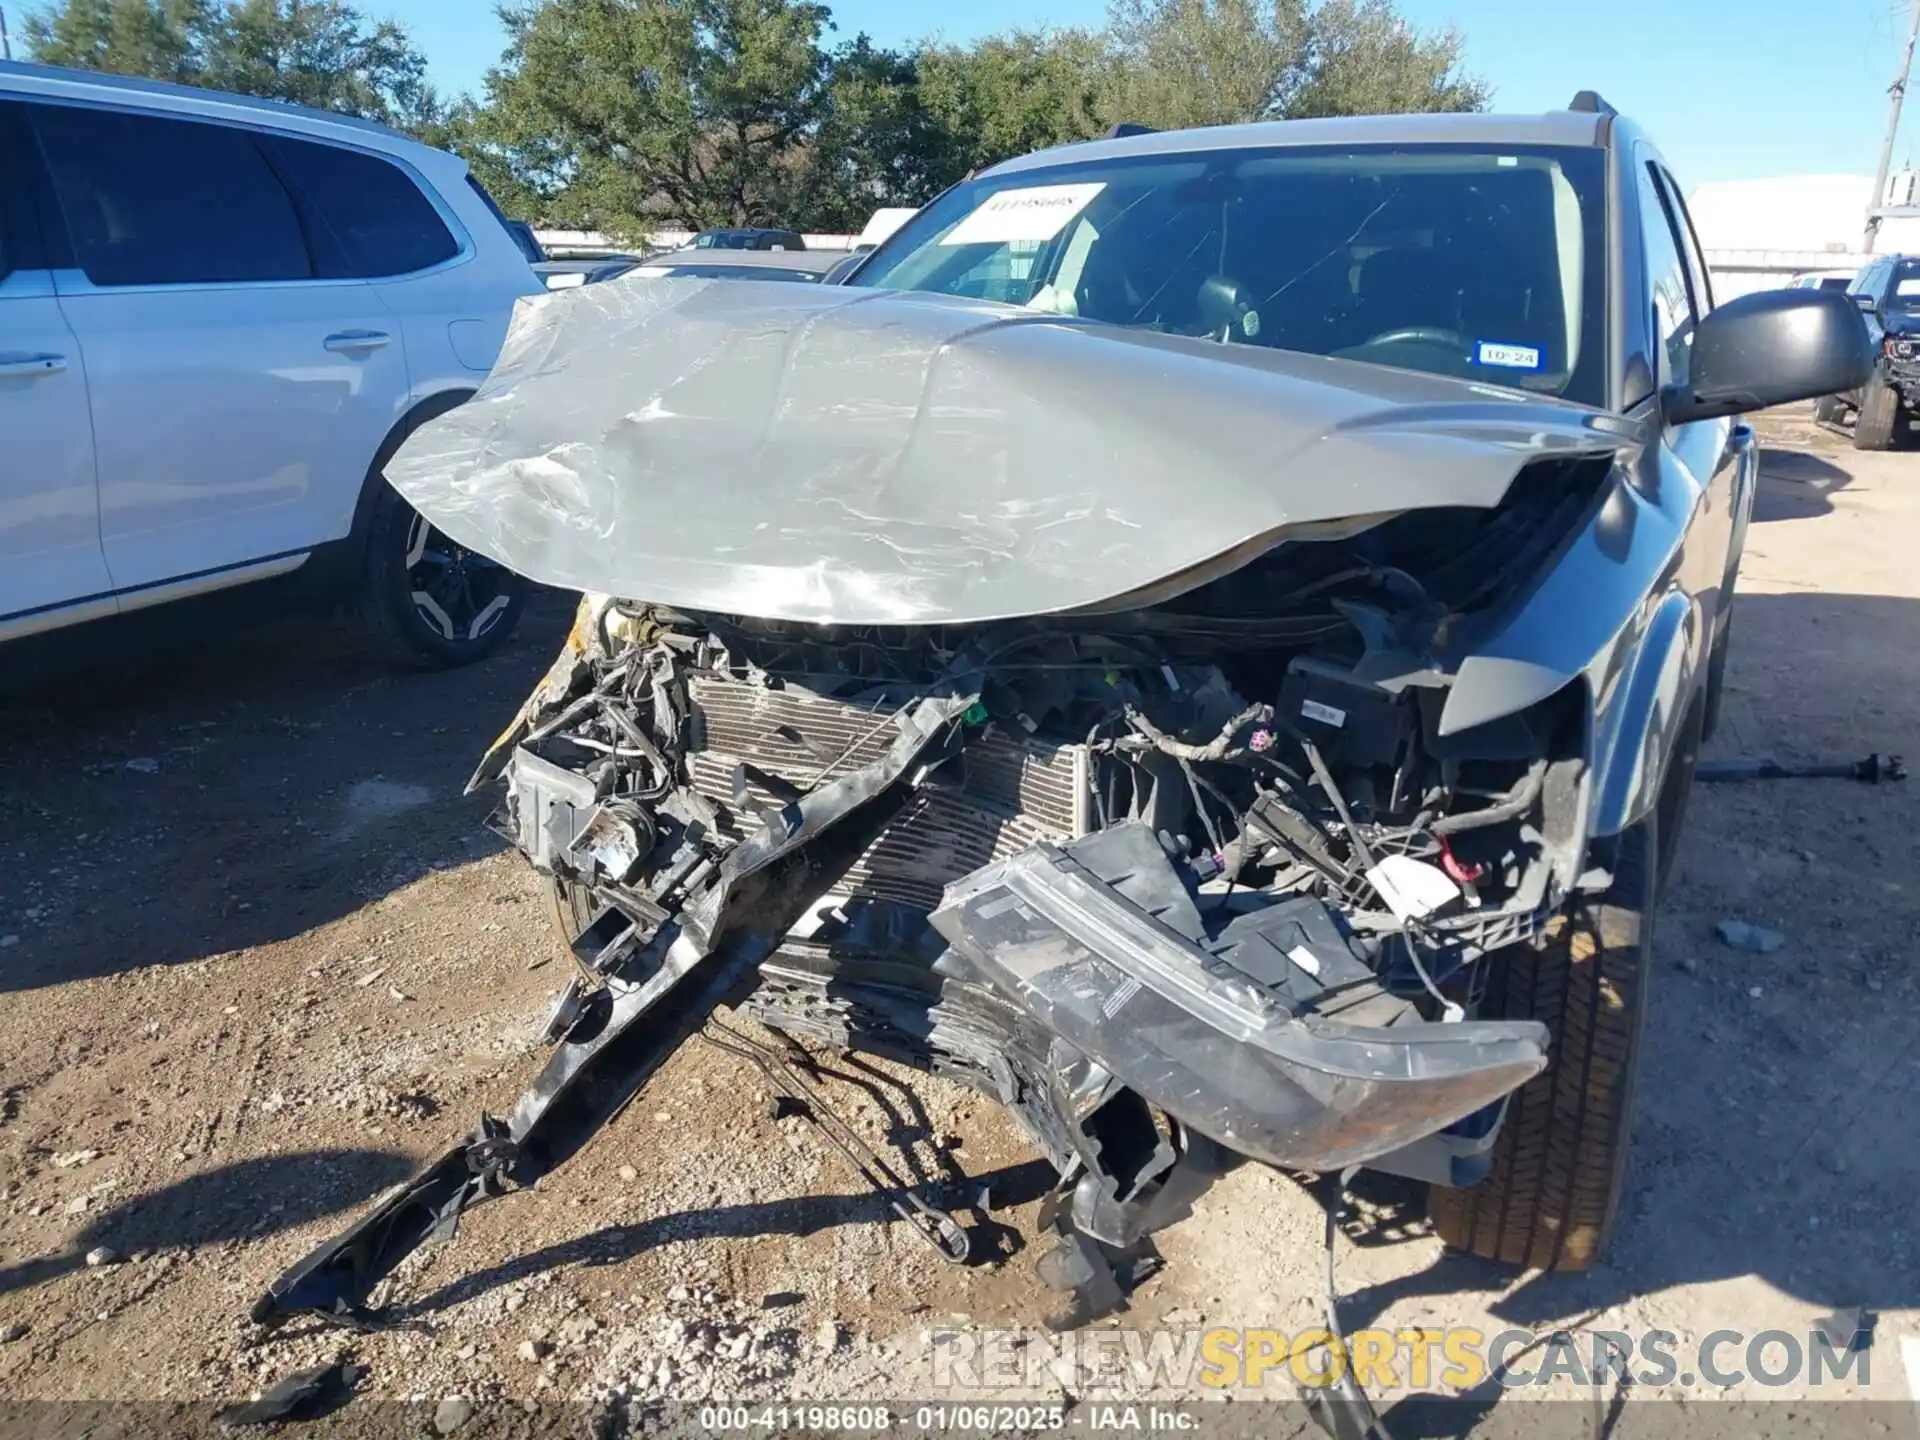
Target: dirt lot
{"type": "Point", "coordinates": [258, 958]}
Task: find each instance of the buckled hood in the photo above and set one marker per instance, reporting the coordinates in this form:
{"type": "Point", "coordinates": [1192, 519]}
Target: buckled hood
{"type": "Point", "coordinates": [845, 455]}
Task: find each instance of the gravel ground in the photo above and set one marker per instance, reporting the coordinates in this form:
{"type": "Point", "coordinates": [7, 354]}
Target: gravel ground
{"type": "Point", "coordinates": [259, 958]}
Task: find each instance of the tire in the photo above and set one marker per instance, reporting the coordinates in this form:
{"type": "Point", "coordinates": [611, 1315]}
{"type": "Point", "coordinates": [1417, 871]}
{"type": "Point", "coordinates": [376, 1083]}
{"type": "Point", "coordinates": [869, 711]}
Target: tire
{"type": "Point", "coordinates": [427, 603]}
{"type": "Point", "coordinates": [1829, 410]}
{"type": "Point", "coordinates": [1560, 1161]}
{"type": "Point", "coordinates": [1878, 425]}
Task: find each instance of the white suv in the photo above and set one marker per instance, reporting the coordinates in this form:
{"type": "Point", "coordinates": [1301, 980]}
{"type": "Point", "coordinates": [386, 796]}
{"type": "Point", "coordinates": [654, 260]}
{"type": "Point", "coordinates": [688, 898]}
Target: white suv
{"type": "Point", "coordinates": [218, 317]}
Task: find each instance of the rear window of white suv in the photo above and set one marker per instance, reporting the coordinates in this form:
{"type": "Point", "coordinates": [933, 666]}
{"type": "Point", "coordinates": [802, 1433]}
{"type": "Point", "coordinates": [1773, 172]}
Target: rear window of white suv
{"type": "Point", "coordinates": [365, 217]}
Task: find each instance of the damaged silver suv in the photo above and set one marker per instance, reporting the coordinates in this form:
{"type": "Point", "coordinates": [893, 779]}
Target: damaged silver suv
{"type": "Point", "coordinates": [1205, 639]}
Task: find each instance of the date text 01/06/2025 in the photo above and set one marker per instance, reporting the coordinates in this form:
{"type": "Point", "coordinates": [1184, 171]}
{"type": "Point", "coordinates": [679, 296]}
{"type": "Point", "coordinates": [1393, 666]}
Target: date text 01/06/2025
{"type": "Point", "coordinates": [944, 1419]}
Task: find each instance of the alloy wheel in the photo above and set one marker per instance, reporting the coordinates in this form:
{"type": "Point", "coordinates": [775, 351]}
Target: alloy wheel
{"type": "Point", "coordinates": [459, 593]}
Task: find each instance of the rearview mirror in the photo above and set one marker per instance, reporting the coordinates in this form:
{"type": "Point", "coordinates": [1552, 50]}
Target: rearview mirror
{"type": "Point", "coordinates": [1864, 301]}
{"type": "Point", "coordinates": [1769, 348]}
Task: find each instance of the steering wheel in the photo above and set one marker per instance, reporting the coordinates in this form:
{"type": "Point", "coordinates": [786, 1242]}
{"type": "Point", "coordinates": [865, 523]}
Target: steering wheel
{"type": "Point", "coordinates": [1421, 334]}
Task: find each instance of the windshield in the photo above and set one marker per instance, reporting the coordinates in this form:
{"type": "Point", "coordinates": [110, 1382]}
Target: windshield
{"type": "Point", "coordinates": [723, 240]}
{"type": "Point", "coordinates": [1475, 262]}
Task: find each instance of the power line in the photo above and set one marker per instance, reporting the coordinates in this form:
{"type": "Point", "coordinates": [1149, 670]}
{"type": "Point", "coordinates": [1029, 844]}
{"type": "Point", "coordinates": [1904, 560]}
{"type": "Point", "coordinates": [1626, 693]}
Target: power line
{"type": "Point", "coordinates": [1897, 93]}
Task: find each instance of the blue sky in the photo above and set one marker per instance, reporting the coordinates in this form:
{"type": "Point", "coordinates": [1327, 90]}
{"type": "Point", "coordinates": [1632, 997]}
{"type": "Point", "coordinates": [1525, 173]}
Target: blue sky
{"type": "Point", "coordinates": [1730, 89]}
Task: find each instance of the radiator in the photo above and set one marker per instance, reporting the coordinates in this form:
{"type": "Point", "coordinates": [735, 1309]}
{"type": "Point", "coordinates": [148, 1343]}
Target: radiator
{"type": "Point", "coordinates": [1017, 790]}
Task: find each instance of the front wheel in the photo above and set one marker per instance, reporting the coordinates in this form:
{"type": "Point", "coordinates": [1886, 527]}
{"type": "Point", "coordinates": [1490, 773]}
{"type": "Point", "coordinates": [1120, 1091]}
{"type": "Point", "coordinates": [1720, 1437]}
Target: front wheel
{"type": "Point", "coordinates": [1560, 1161]}
{"type": "Point", "coordinates": [427, 602]}
{"type": "Point", "coordinates": [1881, 419]}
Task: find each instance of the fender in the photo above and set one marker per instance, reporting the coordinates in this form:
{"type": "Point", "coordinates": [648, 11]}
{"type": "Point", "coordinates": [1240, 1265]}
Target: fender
{"type": "Point", "coordinates": [335, 570]}
{"type": "Point", "coordinates": [1640, 709]}
{"type": "Point", "coordinates": [1746, 484]}
{"type": "Point", "coordinates": [431, 408]}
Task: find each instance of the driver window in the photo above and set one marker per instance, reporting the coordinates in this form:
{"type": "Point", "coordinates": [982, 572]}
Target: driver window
{"type": "Point", "coordinates": [1697, 273]}
{"type": "Point", "coordinates": [1673, 313]}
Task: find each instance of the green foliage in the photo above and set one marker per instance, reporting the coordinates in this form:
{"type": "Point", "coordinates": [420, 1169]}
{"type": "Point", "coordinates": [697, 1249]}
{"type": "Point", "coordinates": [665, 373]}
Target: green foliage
{"type": "Point", "coordinates": [1016, 93]}
{"type": "Point", "coordinates": [877, 142]}
{"type": "Point", "coordinates": [158, 38]}
{"type": "Point", "coordinates": [1223, 62]}
{"type": "Point", "coordinates": [1363, 58]}
{"type": "Point", "coordinates": [629, 115]}
{"type": "Point", "coordinates": [1179, 63]}
{"type": "Point", "coordinates": [311, 52]}
{"type": "Point", "coordinates": [649, 111]}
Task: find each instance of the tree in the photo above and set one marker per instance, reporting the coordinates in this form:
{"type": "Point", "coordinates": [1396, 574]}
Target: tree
{"type": "Point", "coordinates": [321, 53]}
{"type": "Point", "coordinates": [876, 142]}
{"type": "Point", "coordinates": [1363, 58]}
{"type": "Point", "coordinates": [312, 52]}
{"type": "Point", "coordinates": [1202, 62]}
{"type": "Point", "coordinates": [1221, 62]}
{"type": "Point", "coordinates": [160, 39]}
{"type": "Point", "coordinates": [1014, 93]}
{"type": "Point", "coordinates": [664, 110]}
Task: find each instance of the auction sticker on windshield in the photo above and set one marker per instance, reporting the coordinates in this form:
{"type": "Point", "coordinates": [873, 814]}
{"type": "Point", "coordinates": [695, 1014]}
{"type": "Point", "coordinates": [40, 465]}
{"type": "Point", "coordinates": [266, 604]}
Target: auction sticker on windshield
{"type": "Point", "coordinates": [1038, 212]}
{"type": "Point", "coordinates": [1506, 357]}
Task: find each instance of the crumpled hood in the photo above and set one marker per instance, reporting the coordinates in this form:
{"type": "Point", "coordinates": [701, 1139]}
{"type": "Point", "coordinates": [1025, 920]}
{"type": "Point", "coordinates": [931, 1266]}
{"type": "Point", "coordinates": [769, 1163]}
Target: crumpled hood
{"type": "Point", "coordinates": [847, 455]}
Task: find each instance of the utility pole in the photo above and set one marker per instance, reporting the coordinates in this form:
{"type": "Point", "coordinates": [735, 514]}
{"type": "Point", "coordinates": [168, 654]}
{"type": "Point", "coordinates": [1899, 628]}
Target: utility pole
{"type": "Point", "coordinates": [1897, 92]}
{"type": "Point", "coordinates": [6, 45]}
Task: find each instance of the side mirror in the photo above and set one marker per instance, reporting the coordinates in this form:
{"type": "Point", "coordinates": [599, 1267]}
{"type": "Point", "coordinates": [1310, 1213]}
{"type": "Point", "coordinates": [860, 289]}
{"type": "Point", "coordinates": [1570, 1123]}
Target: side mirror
{"type": "Point", "coordinates": [1865, 301]}
{"type": "Point", "coordinates": [1769, 348]}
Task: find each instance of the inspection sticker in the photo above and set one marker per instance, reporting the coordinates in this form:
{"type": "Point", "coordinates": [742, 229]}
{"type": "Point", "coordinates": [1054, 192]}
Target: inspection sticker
{"type": "Point", "coordinates": [1038, 212]}
{"type": "Point", "coordinates": [1507, 357]}
{"type": "Point", "coordinates": [1325, 714]}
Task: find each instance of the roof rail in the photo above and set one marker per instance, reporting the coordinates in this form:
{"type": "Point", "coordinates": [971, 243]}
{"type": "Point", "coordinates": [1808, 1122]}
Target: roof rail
{"type": "Point", "coordinates": [1588, 102]}
{"type": "Point", "coordinates": [1125, 128]}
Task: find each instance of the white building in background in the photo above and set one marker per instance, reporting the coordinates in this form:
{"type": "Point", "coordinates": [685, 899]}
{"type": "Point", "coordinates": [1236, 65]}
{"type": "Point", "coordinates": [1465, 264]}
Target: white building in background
{"type": "Point", "coordinates": [1758, 234]}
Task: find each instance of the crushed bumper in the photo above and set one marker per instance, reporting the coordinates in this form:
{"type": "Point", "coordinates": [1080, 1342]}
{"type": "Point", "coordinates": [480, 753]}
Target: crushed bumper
{"type": "Point", "coordinates": [1080, 935]}
{"type": "Point", "coordinates": [1900, 364]}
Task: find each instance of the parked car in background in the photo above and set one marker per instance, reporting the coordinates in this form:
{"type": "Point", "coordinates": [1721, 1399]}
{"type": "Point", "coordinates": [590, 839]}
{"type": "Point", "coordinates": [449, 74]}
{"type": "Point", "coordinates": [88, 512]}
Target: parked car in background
{"type": "Point", "coordinates": [219, 316]}
{"type": "Point", "coordinates": [1887, 290]}
{"type": "Point", "coordinates": [809, 266]}
{"type": "Point", "coordinates": [1822, 280]}
{"type": "Point", "coordinates": [843, 268]}
{"type": "Point", "coordinates": [881, 224]}
{"type": "Point", "coordinates": [747, 238]}
{"type": "Point", "coordinates": [573, 271]}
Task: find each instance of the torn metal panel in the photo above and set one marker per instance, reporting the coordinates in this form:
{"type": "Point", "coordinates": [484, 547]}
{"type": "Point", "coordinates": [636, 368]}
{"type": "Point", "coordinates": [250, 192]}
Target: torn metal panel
{"type": "Point", "coordinates": [861, 457]}
{"type": "Point", "coordinates": [1087, 936]}
{"type": "Point", "coordinates": [659, 991]}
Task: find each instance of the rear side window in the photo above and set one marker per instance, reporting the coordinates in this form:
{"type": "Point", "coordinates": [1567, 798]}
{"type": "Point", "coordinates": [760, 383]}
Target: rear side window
{"type": "Point", "coordinates": [366, 216]}
{"type": "Point", "coordinates": [151, 201]}
{"type": "Point", "coordinates": [1867, 281]}
{"type": "Point", "coordinates": [521, 233]}
{"type": "Point", "coordinates": [13, 192]}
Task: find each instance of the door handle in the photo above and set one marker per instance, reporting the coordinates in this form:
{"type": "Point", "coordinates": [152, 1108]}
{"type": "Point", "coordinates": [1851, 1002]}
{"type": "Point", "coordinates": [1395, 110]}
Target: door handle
{"type": "Point", "coordinates": [355, 342]}
{"type": "Point", "coordinates": [27, 367]}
